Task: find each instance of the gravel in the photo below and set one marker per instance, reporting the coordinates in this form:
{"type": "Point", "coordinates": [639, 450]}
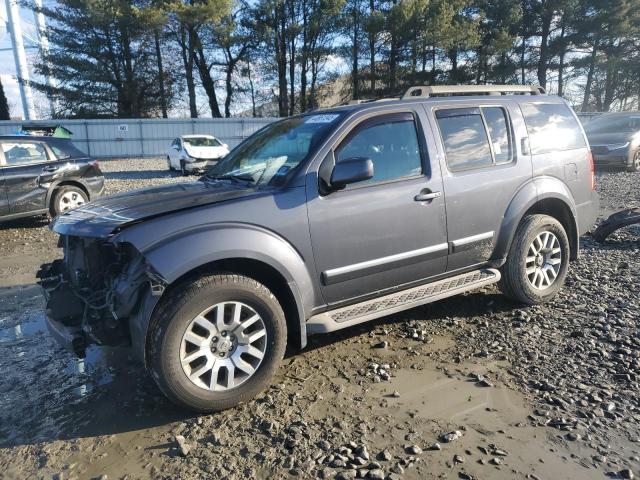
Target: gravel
{"type": "Point", "coordinates": [569, 372]}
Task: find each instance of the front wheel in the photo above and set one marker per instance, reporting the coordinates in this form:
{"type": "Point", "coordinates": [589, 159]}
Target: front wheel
{"type": "Point", "coordinates": [538, 261]}
{"type": "Point", "coordinates": [183, 168]}
{"type": "Point", "coordinates": [216, 341]}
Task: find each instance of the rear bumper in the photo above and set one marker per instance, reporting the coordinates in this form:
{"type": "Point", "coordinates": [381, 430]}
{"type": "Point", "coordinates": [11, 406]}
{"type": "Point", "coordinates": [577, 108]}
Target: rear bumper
{"type": "Point", "coordinates": [95, 186]}
{"type": "Point", "coordinates": [588, 213]}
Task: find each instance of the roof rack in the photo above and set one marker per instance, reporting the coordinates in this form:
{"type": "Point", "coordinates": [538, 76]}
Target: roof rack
{"type": "Point", "coordinates": [422, 91]}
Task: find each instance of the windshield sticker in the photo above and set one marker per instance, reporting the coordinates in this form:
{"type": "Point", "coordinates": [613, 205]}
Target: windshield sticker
{"type": "Point", "coordinates": [326, 118]}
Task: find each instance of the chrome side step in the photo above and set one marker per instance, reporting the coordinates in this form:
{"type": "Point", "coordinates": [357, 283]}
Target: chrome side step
{"type": "Point", "coordinates": [396, 302]}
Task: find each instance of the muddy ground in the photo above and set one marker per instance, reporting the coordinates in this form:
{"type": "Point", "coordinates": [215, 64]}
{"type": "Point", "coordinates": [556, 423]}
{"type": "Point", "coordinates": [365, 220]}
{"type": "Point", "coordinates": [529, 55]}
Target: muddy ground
{"type": "Point", "coordinates": [469, 387]}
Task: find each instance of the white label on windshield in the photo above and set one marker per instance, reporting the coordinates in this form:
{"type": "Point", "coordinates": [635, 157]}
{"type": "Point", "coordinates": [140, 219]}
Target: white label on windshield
{"type": "Point", "coordinates": [326, 118]}
{"type": "Point", "coordinates": [497, 148]}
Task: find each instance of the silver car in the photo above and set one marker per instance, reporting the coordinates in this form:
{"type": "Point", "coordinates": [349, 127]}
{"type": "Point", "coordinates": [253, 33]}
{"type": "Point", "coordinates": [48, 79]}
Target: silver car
{"type": "Point", "coordinates": [615, 140]}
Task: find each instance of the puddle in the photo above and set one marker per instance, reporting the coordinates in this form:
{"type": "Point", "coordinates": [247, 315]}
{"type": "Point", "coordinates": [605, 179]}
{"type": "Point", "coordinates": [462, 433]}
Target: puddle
{"type": "Point", "coordinates": [46, 391]}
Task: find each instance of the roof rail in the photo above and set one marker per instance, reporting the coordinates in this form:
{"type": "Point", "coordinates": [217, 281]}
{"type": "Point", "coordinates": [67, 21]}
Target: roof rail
{"type": "Point", "coordinates": [422, 91]}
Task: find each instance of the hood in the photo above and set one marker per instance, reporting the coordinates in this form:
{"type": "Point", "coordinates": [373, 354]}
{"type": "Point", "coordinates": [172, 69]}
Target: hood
{"type": "Point", "coordinates": [204, 152]}
{"type": "Point", "coordinates": [102, 217]}
{"type": "Point", "coordinates": [609, 138]}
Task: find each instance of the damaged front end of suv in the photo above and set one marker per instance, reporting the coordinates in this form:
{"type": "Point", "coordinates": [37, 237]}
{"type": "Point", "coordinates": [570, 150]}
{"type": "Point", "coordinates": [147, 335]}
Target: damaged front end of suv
{"type": "Point", "coordinates": [95, 290]}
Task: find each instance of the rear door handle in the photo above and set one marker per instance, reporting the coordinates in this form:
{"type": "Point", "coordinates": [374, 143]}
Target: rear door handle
{"type": "Point", "coordinates": [427, 196]}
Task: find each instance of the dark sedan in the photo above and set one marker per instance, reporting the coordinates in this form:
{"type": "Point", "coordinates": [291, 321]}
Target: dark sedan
{"type": "Point", "coordinates": [615, 140]}
{"type": "Point", "coordinates": [40, 175]}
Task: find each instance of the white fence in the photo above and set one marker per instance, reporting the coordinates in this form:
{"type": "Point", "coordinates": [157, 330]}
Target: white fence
{"type": "Point", "coordinates": [144, 137]}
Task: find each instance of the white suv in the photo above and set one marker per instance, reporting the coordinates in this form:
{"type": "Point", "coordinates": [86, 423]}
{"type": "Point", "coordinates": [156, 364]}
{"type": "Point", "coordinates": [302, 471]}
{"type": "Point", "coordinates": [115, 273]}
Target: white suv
{"type": "Point", "coordinates": [195, 153]}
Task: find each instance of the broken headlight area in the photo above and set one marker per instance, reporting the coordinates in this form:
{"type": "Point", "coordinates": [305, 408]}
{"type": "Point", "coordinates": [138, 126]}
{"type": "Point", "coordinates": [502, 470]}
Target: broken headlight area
{"type": "Point", "coordinates": [93, 290]}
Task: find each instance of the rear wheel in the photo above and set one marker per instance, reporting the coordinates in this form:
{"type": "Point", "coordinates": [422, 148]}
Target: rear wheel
{"type": "Point", "coordinates": [538, 261]}
{"type": "Point", "coordinates": [169, 164]}
{"type": "Point", "coordinates": [67, 198]}
{"type": "Point", "coordinates": [216, 342]}
{"type": "Point", "coordinates": [635, 163]}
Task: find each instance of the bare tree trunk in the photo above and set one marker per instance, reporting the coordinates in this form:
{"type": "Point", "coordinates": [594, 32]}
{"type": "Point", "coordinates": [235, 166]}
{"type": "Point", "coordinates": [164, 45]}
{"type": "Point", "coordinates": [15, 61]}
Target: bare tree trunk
{"type": "Point", "coordinates": [563, 52]}
{"type": "Point", "coordinates": [587, 87]}
{"type": "Point", "coordinates": [163, 93]}
{"type": "Point", "coordinates": [543, 62]}
{"type": "Point", "coordinates": [355, 53]}
{"type": "Point", "coordinates": [187, 59]}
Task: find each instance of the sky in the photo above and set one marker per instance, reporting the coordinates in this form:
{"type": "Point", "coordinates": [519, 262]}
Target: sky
{"type": "Point", "coordinates": [7, 64]}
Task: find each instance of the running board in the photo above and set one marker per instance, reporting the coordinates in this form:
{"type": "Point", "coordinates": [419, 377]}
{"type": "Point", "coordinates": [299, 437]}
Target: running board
{"type": "Point", "coordinates": [404, 300]}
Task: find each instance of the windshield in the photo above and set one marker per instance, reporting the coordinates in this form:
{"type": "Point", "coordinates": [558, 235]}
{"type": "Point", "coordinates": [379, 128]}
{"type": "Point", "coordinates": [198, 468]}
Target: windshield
{"type": "Point", "coordinates": [270, 154]}
{"type": "Point", "coordinates": [202, 142]}
{"type": "Point", "coordinates": [613, 124]}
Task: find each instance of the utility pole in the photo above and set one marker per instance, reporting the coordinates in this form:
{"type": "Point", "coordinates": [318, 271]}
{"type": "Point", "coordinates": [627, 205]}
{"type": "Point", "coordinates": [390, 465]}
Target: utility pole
{"type": "Point", "coordinates": [43, 42]}
{"type": "Point", "coordinates": [22, 70]}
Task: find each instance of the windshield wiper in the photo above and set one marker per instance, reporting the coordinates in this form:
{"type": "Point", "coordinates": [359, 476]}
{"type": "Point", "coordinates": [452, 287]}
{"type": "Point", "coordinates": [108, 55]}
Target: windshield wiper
{"type": "Point", "coordinates": [238, 178]}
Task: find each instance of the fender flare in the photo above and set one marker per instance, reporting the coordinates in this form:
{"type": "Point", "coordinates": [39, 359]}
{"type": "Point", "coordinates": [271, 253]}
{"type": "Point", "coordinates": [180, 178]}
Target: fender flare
{"type": "Point", "coordinates": [175, 256]}
{"type": "Point", "coordinates": [531, 193]}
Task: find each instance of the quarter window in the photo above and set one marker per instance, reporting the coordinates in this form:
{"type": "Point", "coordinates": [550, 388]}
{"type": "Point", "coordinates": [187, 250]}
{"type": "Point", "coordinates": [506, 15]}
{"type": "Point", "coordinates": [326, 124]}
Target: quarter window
{"type": "Point", "coordinates": [498, 126]}
{"type": "Point", "coordinates": [24, 153]}
{"type": "Point", "coordinates": [475, 137]}
{"type": "Point", "coordinates": [551, 128]}
{"type": "Point", "coordinates": [392, 145]}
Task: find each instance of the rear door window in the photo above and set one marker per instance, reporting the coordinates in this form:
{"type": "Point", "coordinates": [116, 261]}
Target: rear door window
{"type": "Point", "coordinates": [475, 137]}
{"type": "Point", "coordinates": [551, 128]}
{"type": "Point", "coordinates": [24, 153]}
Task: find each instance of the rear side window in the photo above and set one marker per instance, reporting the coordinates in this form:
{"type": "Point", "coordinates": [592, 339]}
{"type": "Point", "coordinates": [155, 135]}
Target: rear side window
{"type": "Point", "coordinates": [24, 153]}
{"type": "Point", "coordinates": [551, 127]}
{"type": "Point", "coordinates": [475, 137]}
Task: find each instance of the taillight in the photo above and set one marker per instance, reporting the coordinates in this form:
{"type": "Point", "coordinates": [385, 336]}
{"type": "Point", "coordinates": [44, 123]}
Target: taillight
{"type": "Point", "coordinates": [94, 163]}
{"type": "Point", "coordinates": [592, 169]}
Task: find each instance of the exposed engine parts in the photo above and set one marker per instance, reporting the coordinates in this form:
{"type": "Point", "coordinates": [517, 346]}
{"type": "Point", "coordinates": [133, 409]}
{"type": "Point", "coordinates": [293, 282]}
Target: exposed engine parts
{"type": "Point", "coordinates": [95, 288]}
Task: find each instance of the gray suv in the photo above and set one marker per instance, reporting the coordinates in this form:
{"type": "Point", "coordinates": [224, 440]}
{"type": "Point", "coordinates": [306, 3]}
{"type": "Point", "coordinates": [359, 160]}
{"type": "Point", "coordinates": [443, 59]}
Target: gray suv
{"type": "Point", "coordinates": [323, 221]}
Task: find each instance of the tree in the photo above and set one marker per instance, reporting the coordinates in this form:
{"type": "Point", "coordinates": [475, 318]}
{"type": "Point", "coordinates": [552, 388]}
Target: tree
{"type": "Point", "coordinates": [4, 105]}
{"type": "Point", "coordinates": [102, 58]}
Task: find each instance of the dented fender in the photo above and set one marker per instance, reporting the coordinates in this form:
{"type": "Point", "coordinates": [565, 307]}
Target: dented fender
{"type": "Point", "coordinates": [176, 255]}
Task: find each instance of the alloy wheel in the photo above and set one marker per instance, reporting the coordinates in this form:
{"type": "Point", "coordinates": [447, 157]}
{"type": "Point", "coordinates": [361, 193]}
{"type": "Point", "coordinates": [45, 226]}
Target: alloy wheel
{"type": "Point", "coordinates": [544, 260]}
{"type": "Point", "coordinates": [223, 346]}
{"type": "Point", "coordinates": [70, 200]}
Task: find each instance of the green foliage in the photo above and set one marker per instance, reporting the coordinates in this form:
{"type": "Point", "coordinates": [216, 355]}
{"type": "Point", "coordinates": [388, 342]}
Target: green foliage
{"type": "Point", "coordinates": [108, 56]}
{"type": "Point", "coordinates": [4, 105]}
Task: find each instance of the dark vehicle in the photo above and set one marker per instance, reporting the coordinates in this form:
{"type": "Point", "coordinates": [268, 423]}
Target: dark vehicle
{"type": "Point", "coordinates": [322, 221]}
{"type": "Point", "coordinates": [615, 140]}
{"type": "Point", "coordinates": [44, 175]}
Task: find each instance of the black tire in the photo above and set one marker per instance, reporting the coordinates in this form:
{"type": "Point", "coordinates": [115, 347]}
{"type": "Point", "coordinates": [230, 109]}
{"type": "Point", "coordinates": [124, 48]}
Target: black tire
{"type": "Point", "coordinates": [169, 164]}
{"type": "Point", "coordinates": [183, 168]}
{"type": "Point", "coordinates": [515, 282]}
{"type": "Point", "coordinates": [56, 207]}
{"type": "Point", "coordinates": [174, 314]}
{"type": "Point", "coordinates": [635, 163]}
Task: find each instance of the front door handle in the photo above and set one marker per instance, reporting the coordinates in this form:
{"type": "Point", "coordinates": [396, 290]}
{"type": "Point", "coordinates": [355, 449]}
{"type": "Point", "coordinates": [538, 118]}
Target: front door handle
{"type": "Point", "coordinates": [49, 169]}
{"type": "Point", "coordinates": [427, 196]}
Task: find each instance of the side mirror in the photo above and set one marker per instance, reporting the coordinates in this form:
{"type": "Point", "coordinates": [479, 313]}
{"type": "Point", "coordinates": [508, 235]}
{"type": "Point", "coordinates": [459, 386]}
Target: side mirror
{"type": "Point", "coordinates": [176, 148]}
{"type": "Point", "coordinates": [351, 170]}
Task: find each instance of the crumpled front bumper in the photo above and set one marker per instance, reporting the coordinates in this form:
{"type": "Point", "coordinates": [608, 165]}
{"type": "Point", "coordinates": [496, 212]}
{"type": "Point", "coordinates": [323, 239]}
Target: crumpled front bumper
{"type": "Point", "coordinates": [69, 337]}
